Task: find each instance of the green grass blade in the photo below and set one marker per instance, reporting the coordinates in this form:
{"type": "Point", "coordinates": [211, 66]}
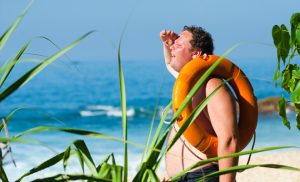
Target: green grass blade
{"type": "Point", "coordinates": [245, 167]}
{"type": "Point", "coordinates": [105, 160]}
{"type": "Point", "coordinates": [71, 177]}
{"type": "Point", "coordinates": [118, 173]}
{"type": "Point", "coordinates": [13, 63]}
{"type": "Point", "coordinates": [77, 132]}
{"type": "Point", "coordinates": [37, 110]}
{"type": "Point", "coordinates": [238, 154]}
{"type": "Point", "coordinates": [34, 71]}
{"type": "Point", "coordinates": [105, 171]}
{"type": "Point", "coordinates": [151, 160]}
{"type": "Point", "coordinates": [10, 115]}
{"type": "Point", "coordinates": [123, 106]}
{"type": "Point", "coordinates": [160, 125]}
{"type": "Point", "coordinates": [3, 176]}
{"type": "Point", "coordinates": [151, 125]}
{"type": "Point", "coordinates": [87, 158]}
{"type": "Point", "coordinates": [54, 44]}
{"type": "Point", "coordinates": [4, 66]}
{"type": "Point", "coordinates": [48, 163]}
{"type": "Point", "coordinates": [68, 130]}
{"type": "Point", "coordinates": [152, 175]}
{"type": "Point", "coordinates": [111, 171]}
{"type": "Point", "coordinates": [66, 157]}
{"type": "Point", "coordinates": [80, 159]}
{"type": "Point", "coordinates": [18, 140]}
{"type": "Point", "coordinates": [154, 145]}
{"type": "Point", "coordinates": [7, 34]}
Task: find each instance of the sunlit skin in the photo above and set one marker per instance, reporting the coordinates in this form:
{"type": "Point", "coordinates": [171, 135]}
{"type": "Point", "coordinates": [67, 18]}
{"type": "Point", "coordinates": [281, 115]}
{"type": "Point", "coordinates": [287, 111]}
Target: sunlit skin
{"type": "Point", "coordinates": [218, 118]}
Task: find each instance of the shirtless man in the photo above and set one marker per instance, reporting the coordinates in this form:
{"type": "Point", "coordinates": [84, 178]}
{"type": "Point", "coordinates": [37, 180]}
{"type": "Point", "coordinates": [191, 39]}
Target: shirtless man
{"type": "Point", "coordinates": [218, 118]}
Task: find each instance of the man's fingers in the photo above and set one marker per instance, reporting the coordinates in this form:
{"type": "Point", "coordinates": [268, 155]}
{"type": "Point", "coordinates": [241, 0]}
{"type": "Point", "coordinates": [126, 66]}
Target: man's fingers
{"type": "Point", "coordinates": [168, 37]}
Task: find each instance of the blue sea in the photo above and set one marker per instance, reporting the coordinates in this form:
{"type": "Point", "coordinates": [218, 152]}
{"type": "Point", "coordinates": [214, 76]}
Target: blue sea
{"type": "Point", "coordinates": [86, 95]}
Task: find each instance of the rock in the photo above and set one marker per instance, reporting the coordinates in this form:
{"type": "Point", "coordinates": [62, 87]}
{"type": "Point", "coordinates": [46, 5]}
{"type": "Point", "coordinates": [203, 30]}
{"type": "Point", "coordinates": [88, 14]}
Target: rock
{"type": "Point", "coordinates": [270, 105]}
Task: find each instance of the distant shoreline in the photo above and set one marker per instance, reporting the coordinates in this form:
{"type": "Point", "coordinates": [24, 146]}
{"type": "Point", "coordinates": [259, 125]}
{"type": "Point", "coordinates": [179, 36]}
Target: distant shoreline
{"type": "Point", "coordinates": [269, 105]}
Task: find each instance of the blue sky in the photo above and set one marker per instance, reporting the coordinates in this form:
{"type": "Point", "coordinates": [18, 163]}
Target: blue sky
{"type": "Point", "coordinates": [229, 22]}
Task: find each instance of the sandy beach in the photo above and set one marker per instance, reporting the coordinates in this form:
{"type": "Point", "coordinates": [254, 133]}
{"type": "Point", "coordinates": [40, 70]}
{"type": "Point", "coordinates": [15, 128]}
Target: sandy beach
{"type": "Point", "coordinates": [261, 174]}
{"type": "Point", "coordinates": [290, 158]}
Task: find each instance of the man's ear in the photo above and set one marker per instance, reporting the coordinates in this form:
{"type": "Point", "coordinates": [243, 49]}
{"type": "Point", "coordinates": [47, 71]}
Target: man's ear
{"type": "Point", "coordinates": [197, 54]}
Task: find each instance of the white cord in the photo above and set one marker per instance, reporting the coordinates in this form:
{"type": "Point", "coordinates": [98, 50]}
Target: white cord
{"type": "Point", "coordinates": [172, 71]}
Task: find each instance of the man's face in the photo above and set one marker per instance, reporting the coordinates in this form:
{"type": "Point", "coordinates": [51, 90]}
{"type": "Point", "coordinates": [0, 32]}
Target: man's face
{"type": "Point", "coordinates": [181, 51]}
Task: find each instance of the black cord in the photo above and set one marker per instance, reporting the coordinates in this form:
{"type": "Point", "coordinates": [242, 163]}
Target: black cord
{"type": "Point", "coordinates": [252, 147]}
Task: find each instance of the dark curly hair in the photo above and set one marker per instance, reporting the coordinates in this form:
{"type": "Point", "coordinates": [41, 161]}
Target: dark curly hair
{"type": "Point", "coordinates": [201, 39]}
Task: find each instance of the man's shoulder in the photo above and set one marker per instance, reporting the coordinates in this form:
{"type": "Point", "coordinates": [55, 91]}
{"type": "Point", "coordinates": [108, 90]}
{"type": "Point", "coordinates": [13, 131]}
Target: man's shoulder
{"type": "Point", "coordinates": [213, 83]}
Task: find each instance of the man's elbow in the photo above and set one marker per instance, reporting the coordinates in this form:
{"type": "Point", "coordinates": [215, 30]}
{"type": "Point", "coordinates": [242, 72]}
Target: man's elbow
{"type": "Point", "coordinates": [229, 143]}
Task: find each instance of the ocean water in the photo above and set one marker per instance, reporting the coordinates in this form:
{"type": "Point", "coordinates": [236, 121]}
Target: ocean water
{"type": "Point", "coordinates": [85, 95]}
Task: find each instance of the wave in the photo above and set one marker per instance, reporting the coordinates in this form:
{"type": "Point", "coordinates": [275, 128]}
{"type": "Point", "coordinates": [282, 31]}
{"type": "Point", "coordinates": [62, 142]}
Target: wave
{"type": "Point", "coordinates": [111, 111]}
{"type": "Point", "coordinates": [99, 110]}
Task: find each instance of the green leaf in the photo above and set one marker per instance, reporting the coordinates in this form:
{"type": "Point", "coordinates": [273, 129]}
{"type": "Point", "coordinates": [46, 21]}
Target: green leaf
{"type": "Point", "coordinates": [118, 173]}
{"type": "Point", "coordinates": [3, 176]}
{"type": "Point", "coordinates": [34, 71]}
{"type": "Point", "coordinates": [124, 110]}
{"type": "Point", "coordinates": [19, 140]}
{"type": "Point", "coordinates": [297, 108]}
{"type": "Point", "coordinates": [71, 177]}
{"type": "Point", "coordinates": [277, 71]}
{"type": "Point", "coordinates": [109, 171]}
{"type": "Point", "coordinates": [5, 66]}
{"type": "Point", "coordinates": [10, 30]}
{"type": "Point", "coordinates": [282, 112]}
{"type": "Point", "coordinates": [285, 81]}
{"type": "Point", "coordinates": [285, 43]}
{"type": "Point", "coordinates": [12, 64]}
{"type": "Point", "coordinates": [105, 171]}
{"type": "Point", "coordinates": [295, 21]}
{"type": "Point", "coordinates": [276, 34]}
{"type": "Point", "coordinates": [298, 38]}
{"type": "Point", "coordinates": [296, 73]}
{"type": "Point", "coordinates": [10, 115]}
{"type": "Point", "coordinates": [295, 95]}
{"type": "Point", "coordinates": [66, 157]}
{"type": "Point", "coordinates": [152, 175]}
{"type": "Point", "coordinates": [77, 132]}
{"type": "Point", "coordinates": [84, 151]}
{"type": "Point", "coordinates": [298, 120]}
{"type": "Point", "coordinates": [48, 163]}
{"type": "Point", "coordinates": [80, 159]}
{"type": "Point", "coordinates": [105, 160]}
{"type": "Point", "coordinates": [158, 130]}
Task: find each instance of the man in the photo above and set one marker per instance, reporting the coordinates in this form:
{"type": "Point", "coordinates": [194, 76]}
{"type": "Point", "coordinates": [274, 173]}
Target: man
{"type": "Point", "coordinates": [219, 116]}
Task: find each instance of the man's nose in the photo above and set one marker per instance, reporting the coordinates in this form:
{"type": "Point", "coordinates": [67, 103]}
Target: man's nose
{"type": "Point", "coordinates": [172, 47]}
